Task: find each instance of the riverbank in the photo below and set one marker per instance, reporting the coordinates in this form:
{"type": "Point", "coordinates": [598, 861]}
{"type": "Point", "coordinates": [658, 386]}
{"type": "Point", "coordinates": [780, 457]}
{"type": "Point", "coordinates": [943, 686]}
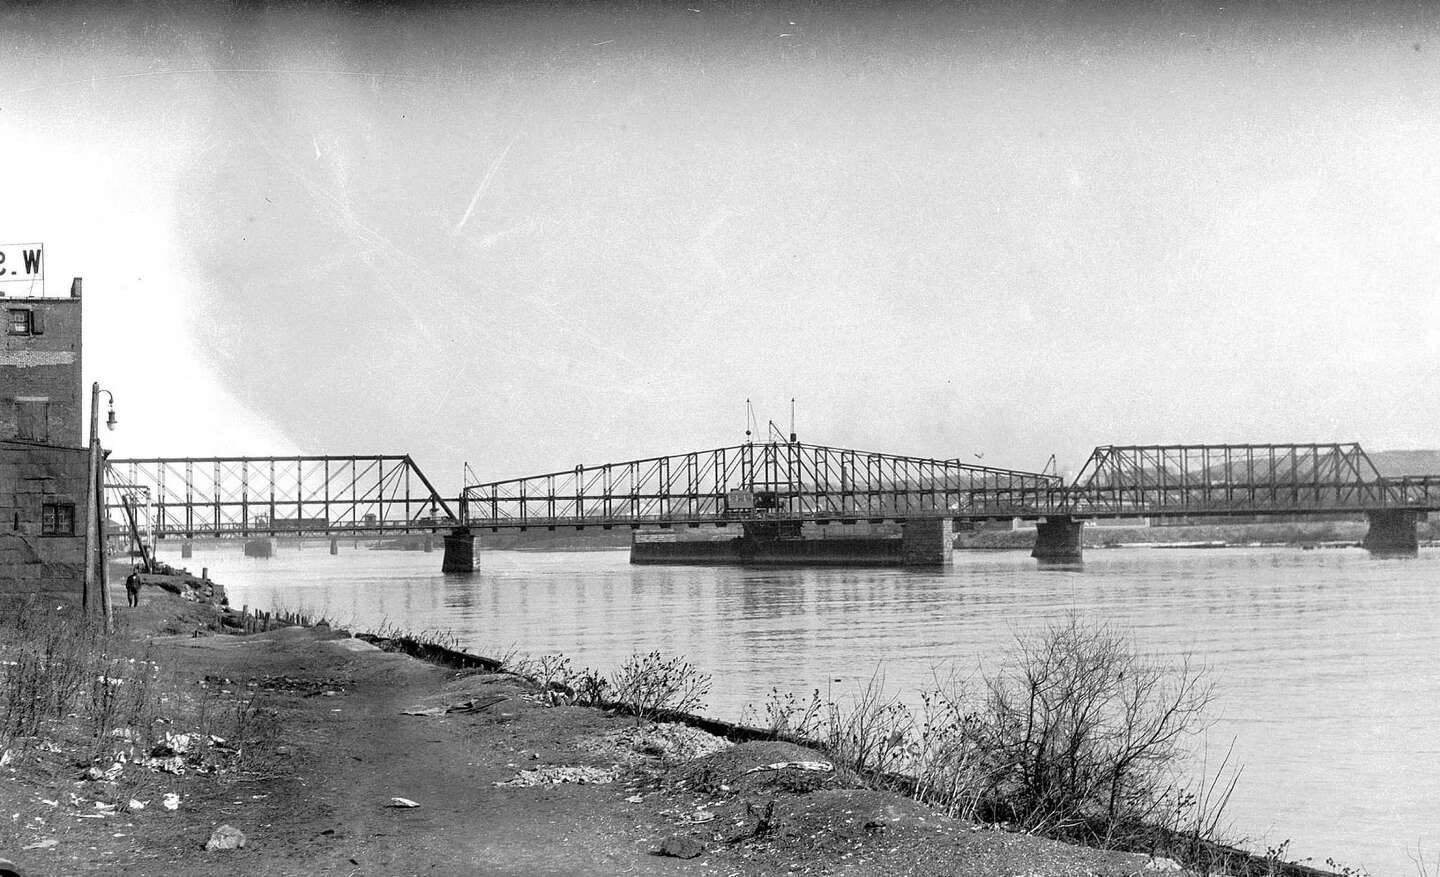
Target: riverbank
{"type": "Point", "coordinates": [335, 730]}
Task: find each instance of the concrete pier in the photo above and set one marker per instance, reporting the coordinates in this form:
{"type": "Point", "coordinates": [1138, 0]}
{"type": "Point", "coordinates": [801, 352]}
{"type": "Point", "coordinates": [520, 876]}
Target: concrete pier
{"type": "Point", "coordinates": [1392, 533]}
{"type": "Point", "coordinates": [462, 551]}
{"type": "Point", "coordinates": [259, 547]}
{"type": "Point", "coordinates": [1057, 540]}
{"type": "Point", "coordinates": [187, 548]}
{"type": "Point", "coordinates": [927, 542]}
{"type": "Point", "coordinates": [334, 545]}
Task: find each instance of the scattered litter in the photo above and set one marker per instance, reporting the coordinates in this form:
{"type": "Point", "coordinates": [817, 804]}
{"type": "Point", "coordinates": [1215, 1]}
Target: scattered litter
{"type": "Point", "coordinates": [226, 837]}
{"type": "Point", "coordinates": [823, 766]}
{"type": "Point", "coordinates": [556, 774]}
{"type": "Point", "coordinates": [104, 808]}
{"type": "Point", "coordinates": [5, 759]}
{"type": "Point", "coordinates": [45, 844]}
{"type": "Point", "coordinates": [136, 804]}
{"type": "Point", "coordinates": [403, 803]}
{"type": "Point", "coordinates": [425, 711]}
{"type": "Point", "coordinates": [175, 744]}
{"type": "Point", "coordinates": [669, 740]}
{"type": "Point", "coordinates": [173, 764]}
{"type": "Point", "coordinates": [49, 802]}
{"type": "Point", "coordinates": [1160, 864]}
{"type": "Point", "coordinates": [171, 801]}
{"type": "Point", "coordinates": [635, 799]}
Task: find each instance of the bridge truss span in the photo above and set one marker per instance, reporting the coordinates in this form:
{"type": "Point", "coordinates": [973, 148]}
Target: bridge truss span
{"type": "Point", "coordinates": [749, 482]}
{"type": "Point", "coordinates": [245, 496]}
{"type": "Point", "coordinates": [1207, 480]}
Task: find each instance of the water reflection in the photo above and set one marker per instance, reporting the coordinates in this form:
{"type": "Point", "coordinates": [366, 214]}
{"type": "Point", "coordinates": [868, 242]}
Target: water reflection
{"type": "Point", "coordinates": [1323, 658]}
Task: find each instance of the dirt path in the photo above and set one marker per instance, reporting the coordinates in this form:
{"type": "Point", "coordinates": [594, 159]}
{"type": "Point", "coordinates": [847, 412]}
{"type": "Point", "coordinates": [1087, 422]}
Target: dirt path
{"type": "Point", "coordinates": [316, 799]}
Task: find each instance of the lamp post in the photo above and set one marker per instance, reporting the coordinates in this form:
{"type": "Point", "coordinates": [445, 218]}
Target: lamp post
{"type": "Point", "coordinates": [96, 573]}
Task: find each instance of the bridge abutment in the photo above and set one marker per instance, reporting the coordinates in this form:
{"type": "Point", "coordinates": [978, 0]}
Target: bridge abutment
{"type": "Point", "coordinates": [1058, 540]}
{"type": "Point", "coordinates": [927, 542]}
{"type": "Point", "coordinates": [1392, 533]}
{"type": "Point", "coordinates": [462, 551]}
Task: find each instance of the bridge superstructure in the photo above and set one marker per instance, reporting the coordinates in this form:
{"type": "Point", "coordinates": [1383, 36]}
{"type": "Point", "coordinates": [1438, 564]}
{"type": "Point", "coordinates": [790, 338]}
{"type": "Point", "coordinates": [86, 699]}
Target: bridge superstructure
{"type": "Point", "coordinates": [770, 489]}
{"type": "Point", "coordinates": [189, 497]}
{"type": "Point", "coordinates": [773, 481]}
{"type": "Point", "coordinates": [774, 494]}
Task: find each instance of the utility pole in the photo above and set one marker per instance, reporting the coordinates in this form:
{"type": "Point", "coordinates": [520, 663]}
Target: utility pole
{"type": "Point", "coordinates": [97, 577]}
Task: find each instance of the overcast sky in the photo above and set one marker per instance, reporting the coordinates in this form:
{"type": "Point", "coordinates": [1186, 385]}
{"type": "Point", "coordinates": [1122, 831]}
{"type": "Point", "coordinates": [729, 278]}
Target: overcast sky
{"type": "Point", "coordinates": [532, 236]}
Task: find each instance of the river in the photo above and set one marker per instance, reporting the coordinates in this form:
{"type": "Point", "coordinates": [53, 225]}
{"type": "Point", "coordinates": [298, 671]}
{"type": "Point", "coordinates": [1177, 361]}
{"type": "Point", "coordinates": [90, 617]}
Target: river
{"type": "Point", "coordinates": [1324, 661]}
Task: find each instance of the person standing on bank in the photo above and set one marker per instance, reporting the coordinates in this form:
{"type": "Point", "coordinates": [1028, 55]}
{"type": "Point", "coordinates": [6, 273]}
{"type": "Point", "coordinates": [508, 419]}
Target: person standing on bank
{"type": "Point", "coordinates": [132, 587]}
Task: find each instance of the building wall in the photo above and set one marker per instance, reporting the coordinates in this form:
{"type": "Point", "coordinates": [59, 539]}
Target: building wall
{"type": "Point", "coordinates": [43, 364]}
{"type": "Point", "coordinates": [34, 563]}
{"type": "Point", "coordinates": [44, 470]}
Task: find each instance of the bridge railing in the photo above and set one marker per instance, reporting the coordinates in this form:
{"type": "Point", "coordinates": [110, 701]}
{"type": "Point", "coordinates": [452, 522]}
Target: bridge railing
{"type": "Point", "coordinates": [787, 480]}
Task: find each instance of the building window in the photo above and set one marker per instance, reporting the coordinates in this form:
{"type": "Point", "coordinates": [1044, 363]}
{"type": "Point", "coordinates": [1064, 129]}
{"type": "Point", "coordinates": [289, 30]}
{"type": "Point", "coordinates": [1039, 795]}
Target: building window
{"type": "Point", "coordinates": [19, 321]}
{"type": "Point", "coordinates": [57, 519]}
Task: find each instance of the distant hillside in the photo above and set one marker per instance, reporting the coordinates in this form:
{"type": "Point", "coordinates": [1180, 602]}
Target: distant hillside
{"type": "Point", "coordinates": [1395, 463]}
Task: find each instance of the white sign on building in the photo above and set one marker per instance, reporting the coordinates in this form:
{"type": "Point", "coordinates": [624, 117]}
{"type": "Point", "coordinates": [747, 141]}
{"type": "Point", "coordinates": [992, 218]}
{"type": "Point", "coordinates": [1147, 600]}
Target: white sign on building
{"type": "Point", "coordinates": [22, 270]}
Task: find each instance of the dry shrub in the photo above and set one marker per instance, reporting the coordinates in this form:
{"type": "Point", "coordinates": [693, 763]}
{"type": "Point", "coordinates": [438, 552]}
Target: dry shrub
{"type": "Point", "coordinates": [650, 684]}
{"type": "Point", "coordinates": [1082, 732]}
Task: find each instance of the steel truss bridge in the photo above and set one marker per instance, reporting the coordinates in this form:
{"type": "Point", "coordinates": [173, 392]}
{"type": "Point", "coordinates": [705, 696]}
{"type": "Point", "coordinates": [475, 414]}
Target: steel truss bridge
{"type": "Point", "coordinates": [268, 496]}
{"type": "Point", "coordinates": [799, 482]}
{"type": "Point", "coordinates": [749, 483]}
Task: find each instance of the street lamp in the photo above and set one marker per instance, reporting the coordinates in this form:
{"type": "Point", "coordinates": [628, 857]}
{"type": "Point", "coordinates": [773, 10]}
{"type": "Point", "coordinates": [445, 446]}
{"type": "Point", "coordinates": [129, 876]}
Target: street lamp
{"type": "Point", "coordinates": [96, 575]}
{"type": "Point", "coordinates": [110, 421]}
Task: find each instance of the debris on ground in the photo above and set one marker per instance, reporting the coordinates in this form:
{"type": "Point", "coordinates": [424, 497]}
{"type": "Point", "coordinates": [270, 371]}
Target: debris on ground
{"type": "Point", "coordinates": [822, 766]}
{"type": "Point", "coordinates": [226, 837]}
{"type": "Point", "coordinates": [402, 803]}
{"type": "Point", "coordinates": [474, 705]}
{"type": "Point", "coordinates": [556, 774]}
{"type": "Point", "coordinates": [671, 741]}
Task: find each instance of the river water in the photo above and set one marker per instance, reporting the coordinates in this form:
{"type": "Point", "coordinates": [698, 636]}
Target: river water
{"type": "Point", "coordinates": [1325, 661]}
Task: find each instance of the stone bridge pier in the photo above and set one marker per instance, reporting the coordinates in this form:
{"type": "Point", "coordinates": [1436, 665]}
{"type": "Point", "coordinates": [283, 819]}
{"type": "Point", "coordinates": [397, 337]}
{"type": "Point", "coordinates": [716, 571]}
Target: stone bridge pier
{"type": "Point", "coordinates": [927, 542]}
{"type": "Point", "coordinates": [462, 551]}
{"type": "Point", "coordinates": [1392, 533]}
{"type": "Point", "coordinates": [1057, 540]}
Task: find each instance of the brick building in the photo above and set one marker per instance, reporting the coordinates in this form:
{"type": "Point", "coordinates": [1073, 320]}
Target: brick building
{"type": "Point", "coordinates": [44, 461]}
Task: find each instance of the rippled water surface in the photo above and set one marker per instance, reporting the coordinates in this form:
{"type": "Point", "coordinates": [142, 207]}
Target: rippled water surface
{"type": "Point", "coordinates": [1326, 661]}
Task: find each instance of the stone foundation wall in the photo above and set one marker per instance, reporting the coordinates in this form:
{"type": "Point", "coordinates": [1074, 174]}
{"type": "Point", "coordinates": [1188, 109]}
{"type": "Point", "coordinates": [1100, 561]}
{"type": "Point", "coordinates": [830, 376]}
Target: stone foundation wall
{"type": "Point", "coordinates": [33, 563]}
